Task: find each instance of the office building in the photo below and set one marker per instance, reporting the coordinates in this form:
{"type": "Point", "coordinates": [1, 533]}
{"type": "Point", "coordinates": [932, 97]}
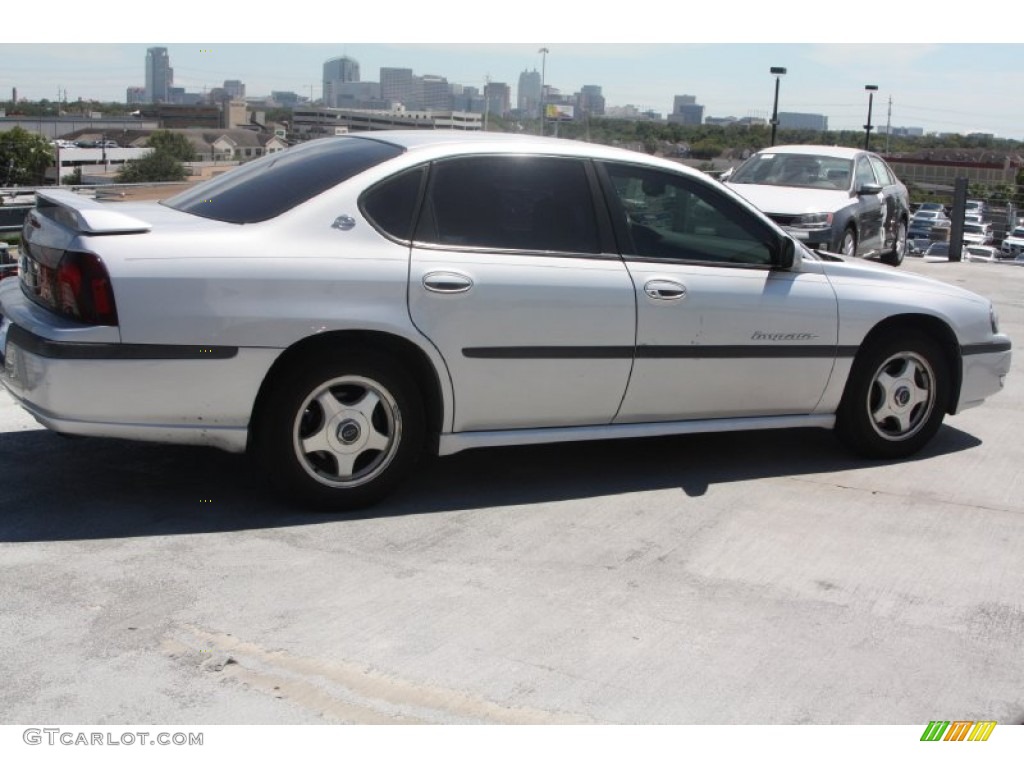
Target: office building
{"type": "Point", "coordinates": [528, 95]}
{"type": "Point", "coordinates": [434, 93]}
{"type": "Point", "coordinates": [159, 76]}
{"type": "Point", "coordinates": [337, 71]}
{"type": "Point", "coordinates": [498, 98]}
{"type": "Point", "coordinates": [235, 89]}
{"type": "Point", "coordinates": [397, 85]}
{"type": "Point", "coordinates": [802, 121]}
{"type": "Point", "coordinates": [686, 111]}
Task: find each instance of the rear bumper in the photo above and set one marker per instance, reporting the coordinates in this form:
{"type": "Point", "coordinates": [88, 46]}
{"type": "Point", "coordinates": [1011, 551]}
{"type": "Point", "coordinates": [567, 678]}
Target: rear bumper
{"type": "Point", "coordinates": [161, 393]}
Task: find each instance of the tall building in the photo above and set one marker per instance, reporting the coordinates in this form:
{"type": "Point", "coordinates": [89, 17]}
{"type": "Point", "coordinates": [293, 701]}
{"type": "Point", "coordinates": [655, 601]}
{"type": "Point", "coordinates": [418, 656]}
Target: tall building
{"type": "Point", "coordinates": [686, 111]}
{"type": "Point", "coordinates": [591, 101]}
{"type": "Point", "coordinates": [337, 71]}
{"type": "Point", "coordinates": [434, 93]}
{"type": "Point", "coordinates": [159, 76]}
{"type": "Point", "coordinates": [467, 98]}
{"type": "Point", "coordinates": [397, 85]}
{"type": "Point", "coordinates": [235, 89]}
{"type": "Point", "coordinates": [528, 95]}
{"type": "Point", "coordinates": [680, 101]}
{"type": "Point", "coordinates": [135, 94]}
{"type": "Point", "coordinates": [498, 98]}
{"type": "Point", "coordinates": [361, 95]}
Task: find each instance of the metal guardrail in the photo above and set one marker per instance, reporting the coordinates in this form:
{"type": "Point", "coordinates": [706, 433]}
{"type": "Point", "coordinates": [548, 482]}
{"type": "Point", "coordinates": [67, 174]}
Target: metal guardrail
{"type": "Point", "coordinates": [12, 217]}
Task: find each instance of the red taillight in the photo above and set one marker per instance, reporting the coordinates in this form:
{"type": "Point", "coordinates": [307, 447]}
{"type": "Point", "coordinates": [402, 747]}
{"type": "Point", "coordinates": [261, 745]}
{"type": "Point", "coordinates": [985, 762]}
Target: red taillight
{"type": "Point", "coordinates": [83, 289]}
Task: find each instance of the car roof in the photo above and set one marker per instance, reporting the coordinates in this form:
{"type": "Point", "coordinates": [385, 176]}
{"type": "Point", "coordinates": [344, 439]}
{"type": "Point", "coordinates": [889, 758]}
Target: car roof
{"type": "Point", "coordinates": [475, 140]}
{"type": "Point", "coordinates": [815, 149]}
{"type": "Point", "coordinates": [430, 144]}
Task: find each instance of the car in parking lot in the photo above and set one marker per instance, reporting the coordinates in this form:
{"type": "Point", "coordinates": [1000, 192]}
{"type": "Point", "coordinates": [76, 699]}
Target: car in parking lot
{"type": "Point", "coordinates": [939, 207]}
{"type": "Point", "coordinates": [923, 222]}
{"type": "Point", "coordinates": [1013, 245]}
{"type": "Point", "coordinates": [977, 234]}
{"type": "Point", "coordinates": [348, 305]}
{"type": "Point", "coordinates": [929, 217]}
{"type": "Point", "coordinates": [981, 253]}
{"type": "Point", "coordinates": [831, 198]}
{"type": "Point", "coordinates": [976, 208]}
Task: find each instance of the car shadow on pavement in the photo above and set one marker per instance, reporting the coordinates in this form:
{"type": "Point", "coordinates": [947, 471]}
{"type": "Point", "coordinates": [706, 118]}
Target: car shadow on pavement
{"type": "Point", "coordinates": [56, 488]}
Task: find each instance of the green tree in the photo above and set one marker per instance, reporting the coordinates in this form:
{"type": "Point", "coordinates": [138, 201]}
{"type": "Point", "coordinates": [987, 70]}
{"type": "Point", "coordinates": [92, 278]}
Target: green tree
{"type": "Point", "coordinates": [73, 178]}
{"type": "Point", "coordinates": [24, 158]}
{"type": "Point", "coordinates": [156, 166]}
{"type": "Point", "coordinates": [173, 144]}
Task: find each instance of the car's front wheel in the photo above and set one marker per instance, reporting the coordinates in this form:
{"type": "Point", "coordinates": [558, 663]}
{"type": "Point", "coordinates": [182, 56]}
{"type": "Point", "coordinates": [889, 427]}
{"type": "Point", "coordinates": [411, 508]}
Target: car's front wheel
{"type": "Point", "coordinates": [896, 396]}
{"type": "Point", "coordinates": [899, 247]}
{"type": "Point", "coordinates": [341, 431]}
{"type": "Point", "coordinates": [848, 243]}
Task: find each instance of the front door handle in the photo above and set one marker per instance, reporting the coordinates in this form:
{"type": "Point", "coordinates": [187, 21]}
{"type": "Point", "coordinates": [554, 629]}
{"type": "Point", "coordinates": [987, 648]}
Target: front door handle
{"type": "Point", "coordinates": [447, 282]}
{"type": "Point", "coordinates": [665, 290]}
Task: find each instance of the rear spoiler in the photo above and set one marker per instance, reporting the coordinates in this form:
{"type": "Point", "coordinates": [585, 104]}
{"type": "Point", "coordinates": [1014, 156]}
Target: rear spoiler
{"type": "Point", "coordinates": [86, 215]}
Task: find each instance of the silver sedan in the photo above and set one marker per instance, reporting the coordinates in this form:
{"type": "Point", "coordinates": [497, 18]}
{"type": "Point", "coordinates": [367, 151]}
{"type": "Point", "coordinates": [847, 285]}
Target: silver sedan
{"type": "Point", "coordinates": [343, 307]}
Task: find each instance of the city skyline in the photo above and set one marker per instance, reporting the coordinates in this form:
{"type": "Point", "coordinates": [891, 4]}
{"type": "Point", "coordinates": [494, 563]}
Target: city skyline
{"type": "Point", "coordinates": [951, 87]}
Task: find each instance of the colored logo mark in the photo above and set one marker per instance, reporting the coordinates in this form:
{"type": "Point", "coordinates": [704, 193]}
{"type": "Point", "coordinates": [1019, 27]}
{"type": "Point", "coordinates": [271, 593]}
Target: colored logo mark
{"type": "Point", "coordinates": [958, 730]}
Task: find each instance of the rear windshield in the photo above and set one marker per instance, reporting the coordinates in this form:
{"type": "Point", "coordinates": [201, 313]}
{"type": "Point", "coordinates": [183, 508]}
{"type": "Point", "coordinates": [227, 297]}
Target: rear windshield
{"type": "Point", "coordinates": [274, 184]}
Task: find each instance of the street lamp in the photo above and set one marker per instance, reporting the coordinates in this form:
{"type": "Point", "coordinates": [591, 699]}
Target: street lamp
{"type": "Point", "coordinates": [778, 72]}
{"type": "Point", "coordinates": [867, 128]}
{"type": "Point", "coordinates": [543, 67]}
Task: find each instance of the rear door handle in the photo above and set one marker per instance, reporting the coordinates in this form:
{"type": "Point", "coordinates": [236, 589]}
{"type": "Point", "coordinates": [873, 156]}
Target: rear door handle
{"type": "Point", "coordinates": [447, 282]}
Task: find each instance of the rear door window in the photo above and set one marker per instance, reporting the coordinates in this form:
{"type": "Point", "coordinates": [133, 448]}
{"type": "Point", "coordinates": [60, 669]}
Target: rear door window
{"type": "Point", "coordinates": [510, 203]}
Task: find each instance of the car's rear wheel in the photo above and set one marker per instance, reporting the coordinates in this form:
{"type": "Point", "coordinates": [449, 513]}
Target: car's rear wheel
{"type": "Point", "coordinates": [848, 243]}
{"type": "Point", "coordinates": [899, 248]}
{"type": "Point", "coordinates": [895, 398]}
{"type": "Point", "coordinates": [342, 431]}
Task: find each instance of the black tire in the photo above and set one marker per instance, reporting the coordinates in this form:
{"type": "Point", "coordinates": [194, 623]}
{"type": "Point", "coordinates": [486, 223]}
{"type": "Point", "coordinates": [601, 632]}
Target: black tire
{"type": "Point", "coordinates": [896, 396]}
{"type": "Point", "coordinates": [848, 243]}
{"type": "Point", "coordinates": [899, 248]}
{"type": "Point", "coordinates": [340, 431]}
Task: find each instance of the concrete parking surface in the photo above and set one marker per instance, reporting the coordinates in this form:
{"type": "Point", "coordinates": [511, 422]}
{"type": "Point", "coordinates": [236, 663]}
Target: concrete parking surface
{"type": "Point", "coordinates": [744, 578]}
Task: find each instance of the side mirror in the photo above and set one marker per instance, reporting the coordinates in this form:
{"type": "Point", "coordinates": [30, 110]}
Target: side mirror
{"type": "Point", "coordinates": [869, 189]}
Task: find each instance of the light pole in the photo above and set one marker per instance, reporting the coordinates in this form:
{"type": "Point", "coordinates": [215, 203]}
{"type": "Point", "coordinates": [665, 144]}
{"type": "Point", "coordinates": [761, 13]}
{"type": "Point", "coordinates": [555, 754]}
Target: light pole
{"type": "Point", "coordinates": [487, 99]}
{"type": "Point", "coordinates": [778, 72]}
{"type": "Point", "coordinates": [543, 72]}
{"type": "Point", "coordinates": [867, 128]}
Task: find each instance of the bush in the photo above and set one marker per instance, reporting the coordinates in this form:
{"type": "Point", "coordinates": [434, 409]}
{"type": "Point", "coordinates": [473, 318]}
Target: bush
{"type": "Point", "coordinates": [156, 166]}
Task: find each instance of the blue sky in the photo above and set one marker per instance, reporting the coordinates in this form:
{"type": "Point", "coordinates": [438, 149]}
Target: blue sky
{"type": "Point", "coordinates": [967, 85]}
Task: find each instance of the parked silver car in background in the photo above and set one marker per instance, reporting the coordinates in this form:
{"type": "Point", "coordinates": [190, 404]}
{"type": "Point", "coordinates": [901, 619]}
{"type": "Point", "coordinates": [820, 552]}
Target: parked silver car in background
{"type": "Point", "coordinates": [344, 306]}
{"type": "Point", "coordinates": [831, 198]}
{"type": "Point", "coordinates": [1013, 244]}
